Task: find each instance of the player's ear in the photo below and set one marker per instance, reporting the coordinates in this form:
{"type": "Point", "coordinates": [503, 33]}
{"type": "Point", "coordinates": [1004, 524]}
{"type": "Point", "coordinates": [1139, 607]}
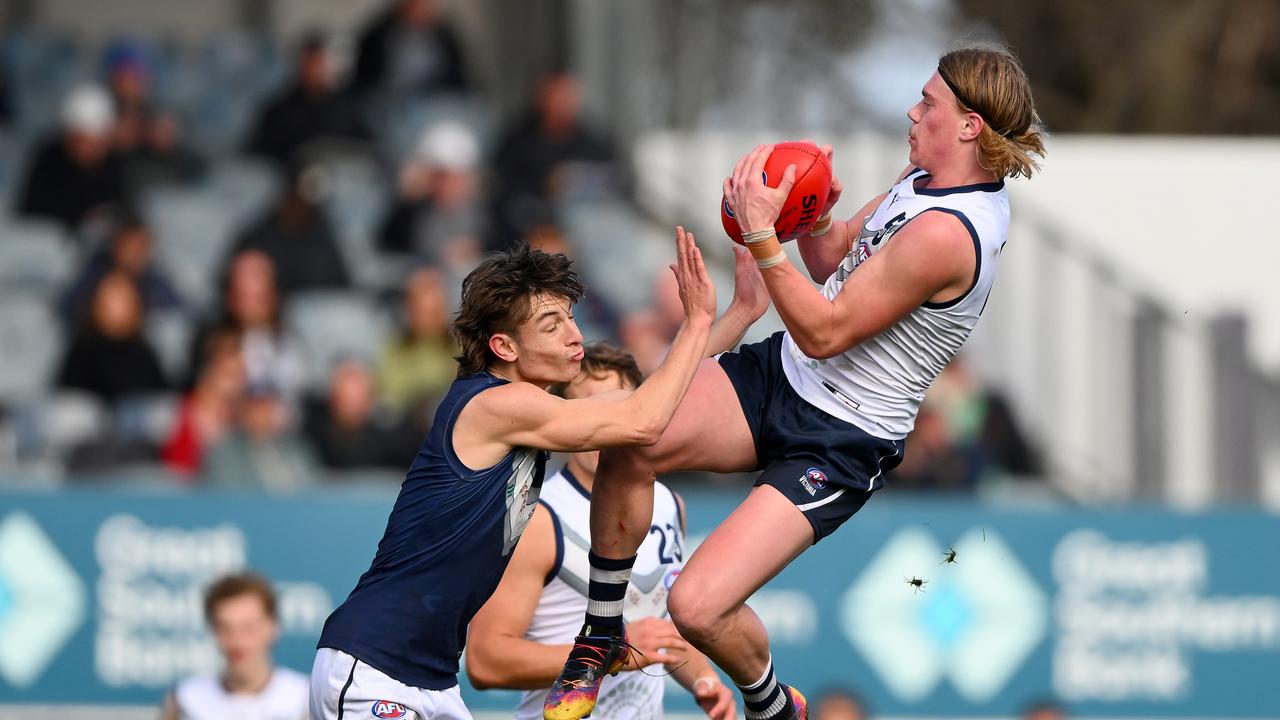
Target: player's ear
{"type": "Point", "coordinates": [972, 126]}
{"type": "Point", "coordinates": [503, 346]}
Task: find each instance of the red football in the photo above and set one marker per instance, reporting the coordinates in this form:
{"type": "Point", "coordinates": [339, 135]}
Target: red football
{"type": "Point", "coordinates": [807, 196]}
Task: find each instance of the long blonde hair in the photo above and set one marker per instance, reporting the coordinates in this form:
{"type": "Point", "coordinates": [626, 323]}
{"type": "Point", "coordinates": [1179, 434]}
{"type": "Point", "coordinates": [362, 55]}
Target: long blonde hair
{"type": "Point", "coordinates": [989, 81]}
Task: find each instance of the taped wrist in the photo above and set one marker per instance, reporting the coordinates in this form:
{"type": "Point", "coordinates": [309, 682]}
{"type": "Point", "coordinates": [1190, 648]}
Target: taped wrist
{"type": "Point", "coordinates": [821, 226]}
{"type": "Point", "coordinates": [709, 680]}
{"type": "Point", "coordinates": [764, 247]}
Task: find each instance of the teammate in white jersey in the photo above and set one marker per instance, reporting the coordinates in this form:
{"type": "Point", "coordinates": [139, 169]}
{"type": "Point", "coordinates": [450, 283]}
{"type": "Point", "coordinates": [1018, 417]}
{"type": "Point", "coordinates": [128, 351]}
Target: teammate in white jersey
{"type": "Point", "coordinates": [241, 611]}
{"type": "Point", "coordinates": [520, 637]}
{"type": "Point", "coordinates": [822, 409]}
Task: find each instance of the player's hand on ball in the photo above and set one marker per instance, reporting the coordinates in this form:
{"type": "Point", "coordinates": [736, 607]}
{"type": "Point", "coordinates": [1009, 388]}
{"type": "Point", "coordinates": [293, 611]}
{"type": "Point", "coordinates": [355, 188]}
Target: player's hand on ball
{"type": "Point", "coordinates": [756, 205]}
{"type": "Point", "coordinates": [749, 291]}
{"type": "Point", "coordinates": [715, 698]}
{"type": "Point", "coordinates": [836, 186]}
{"type": "Point", "coordinates": [697, 293]}
{"type": "Point", "coordinates": [658, 641]}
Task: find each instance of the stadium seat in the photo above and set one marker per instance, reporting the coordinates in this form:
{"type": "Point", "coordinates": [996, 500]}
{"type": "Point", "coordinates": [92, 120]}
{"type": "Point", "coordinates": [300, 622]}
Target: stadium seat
{"type": "Point", "coordinates": [193, 232]}
{"type": "Point", "coordinates": [30, 346]}
{"type": "Point", "coordinates": [616, 250]}
{"type": "Point", "coordinates": [68, 419]}
{"type": "Point", "coordinates": [244, 187]}
{"type": "Point", "coordinates": [403, 120]}
{"type": "Point", "coordinates": [334, 326]}
{"type": "Point", "coordinates": [358, 198]}
{"type": "Point", "coordinates": [146, 419]}
{"type": "Point", "coordinates": [170, 333]}
{"type": "Point", "coordinates": [41, 67]}
{"type": "Point", "coordinates": [237, 70]}
{"type": "Point", "coordinates": [35, 256]}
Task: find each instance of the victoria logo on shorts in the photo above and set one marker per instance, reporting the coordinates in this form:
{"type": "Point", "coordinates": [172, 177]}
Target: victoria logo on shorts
{"type": "Point", "coordinates": [388, 709]}
{"type": "Point", "coordinates": [813, 480]}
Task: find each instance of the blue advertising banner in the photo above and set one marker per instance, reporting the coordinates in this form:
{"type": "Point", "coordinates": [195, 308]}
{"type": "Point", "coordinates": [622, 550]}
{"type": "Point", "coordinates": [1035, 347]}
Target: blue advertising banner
{"type": "Point", "coordinates": [1118, 613]}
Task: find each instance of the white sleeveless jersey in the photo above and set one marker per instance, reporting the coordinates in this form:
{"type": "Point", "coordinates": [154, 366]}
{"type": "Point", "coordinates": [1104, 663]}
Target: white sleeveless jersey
{"type": "Point", "coordinates": [284, 698]}
{"type": "Point", "coordinates": [878, 384]}
{"type": "Point", "coordinates": [558, 617]}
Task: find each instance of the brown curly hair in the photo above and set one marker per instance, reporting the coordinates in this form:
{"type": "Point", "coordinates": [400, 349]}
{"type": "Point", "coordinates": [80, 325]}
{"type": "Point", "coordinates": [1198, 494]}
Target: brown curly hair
{"type": "Point", "coordinates": [989, 81]}
{"type": "Point", "coordinates": [496, 298]}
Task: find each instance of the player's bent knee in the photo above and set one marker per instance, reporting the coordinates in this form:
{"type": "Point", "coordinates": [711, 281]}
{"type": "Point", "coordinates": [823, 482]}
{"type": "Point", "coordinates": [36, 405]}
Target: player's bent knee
{"type": "Point", "coordinates": [626, 464]}
{"type": "Point", "coordinates": [694, 612]}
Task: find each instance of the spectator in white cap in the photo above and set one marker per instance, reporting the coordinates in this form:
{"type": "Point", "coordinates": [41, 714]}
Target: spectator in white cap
{"type": "Point", "coordinates": [75, 173]}
{"type": "Point", "coordinates": [435, 216]}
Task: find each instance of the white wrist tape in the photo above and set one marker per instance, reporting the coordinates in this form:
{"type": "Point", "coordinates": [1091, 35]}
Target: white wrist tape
{"type": "Point", "coordinates": [709, 680]}
{"type": "Point", "coordinates": [821, 226]}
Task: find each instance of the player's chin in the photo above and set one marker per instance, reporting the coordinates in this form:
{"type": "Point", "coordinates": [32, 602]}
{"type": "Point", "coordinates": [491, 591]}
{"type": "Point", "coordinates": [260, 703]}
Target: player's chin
{"type": "Point", "coordinates": [571, 367]}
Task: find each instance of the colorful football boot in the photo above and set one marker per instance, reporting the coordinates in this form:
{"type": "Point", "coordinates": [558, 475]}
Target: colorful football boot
{"type": "Point", "coordinates": [573, 696]}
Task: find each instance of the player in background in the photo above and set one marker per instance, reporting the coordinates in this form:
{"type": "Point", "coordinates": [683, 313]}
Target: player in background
{"type": "Point", "coordinates": [520, 638]}
{"type": "Point", "coordinates": [391, 649]}
{"type": "Point", "coordinates": [241, 612]}
{"type": "Point", "coordinates": [823, 408]}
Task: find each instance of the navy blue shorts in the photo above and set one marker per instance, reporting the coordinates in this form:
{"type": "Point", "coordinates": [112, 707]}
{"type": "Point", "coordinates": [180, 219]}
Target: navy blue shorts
{"type": "Point", "coordinates": [824, 465]}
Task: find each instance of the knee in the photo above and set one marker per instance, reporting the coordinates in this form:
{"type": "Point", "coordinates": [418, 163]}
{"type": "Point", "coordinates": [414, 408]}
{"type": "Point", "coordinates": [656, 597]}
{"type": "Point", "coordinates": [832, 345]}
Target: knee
{"type": "Point", "coordinates": [694, 612]}
{"type": "Point", "coordinates": [627, 464]}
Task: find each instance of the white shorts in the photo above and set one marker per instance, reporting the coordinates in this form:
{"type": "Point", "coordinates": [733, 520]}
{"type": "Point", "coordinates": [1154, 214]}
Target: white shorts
{"type": "Point", "coordinates": [344, 688]}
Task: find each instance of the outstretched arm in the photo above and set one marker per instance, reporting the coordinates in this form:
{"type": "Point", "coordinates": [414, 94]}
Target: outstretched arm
{"type": "Point", "coordinates": [750, 300]}
{"type": "Point", "coordinates": [521, 415]}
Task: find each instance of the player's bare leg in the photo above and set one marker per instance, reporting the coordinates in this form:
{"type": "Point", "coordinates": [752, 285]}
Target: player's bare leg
{"type": "Point", "coordinates": [707, 432]}
{"type": "Point", "coordinates": [708, 602]}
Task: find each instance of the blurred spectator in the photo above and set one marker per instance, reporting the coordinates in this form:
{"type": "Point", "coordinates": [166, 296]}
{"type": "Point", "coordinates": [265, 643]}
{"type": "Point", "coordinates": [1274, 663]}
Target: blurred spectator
{"type": "Point", "coordinates": [128, 251]}
{"type": "Point", "coordinates": [546, 154]}
{"type": "Point", "coordinates": [647, 333]}
{"type": "Point", "coordinates": [205, 415]}
{"type": "Point", "coordinates": [965, 436]}
{"type": "Point", "coordinates": [147, 139]}
{"type": "Point", "coordinates": [262, 451]}
{"type": "Point", "coordinates": [110, 358]}
{"type": "Point", "coordinates": [436, 214]}
{"type": "Point", "coordinates": [839, 704]}
{"type": "Point", "coordinates": [311, 108]}
{"type": "Point", "coordinates": [351, 431]}
{"type": "Point", "coordinates": [410, 48]}
{"type": "Point", "coordinates": [1044, 710]}
{"type": "Point", "coordinates": [933, 461]}
{"type": "Point", "coordinates": [241, 612]}
{"type": "Point", "coordinates": [251, 313]}
{"type": "Point", "coordinates": [415, 369]}
{"type": "Point", "coordinates": [298, 237]}
{"type": "Point", "coordinates": [980, 419]}
{"type": "Point", "coordinates": [76, 173]}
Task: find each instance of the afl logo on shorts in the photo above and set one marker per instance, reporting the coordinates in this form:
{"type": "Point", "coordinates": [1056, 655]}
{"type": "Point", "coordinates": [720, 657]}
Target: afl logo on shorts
{"type": "Point", "coordinates": [813, 480]}
{"type": "Point", "coordinates": [388, 709]}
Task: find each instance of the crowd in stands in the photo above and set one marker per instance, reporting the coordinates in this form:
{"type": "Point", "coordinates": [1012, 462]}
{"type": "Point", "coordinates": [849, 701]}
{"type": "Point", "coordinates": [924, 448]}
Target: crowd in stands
{"type": "Point", "coordinates": [257, 299]}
